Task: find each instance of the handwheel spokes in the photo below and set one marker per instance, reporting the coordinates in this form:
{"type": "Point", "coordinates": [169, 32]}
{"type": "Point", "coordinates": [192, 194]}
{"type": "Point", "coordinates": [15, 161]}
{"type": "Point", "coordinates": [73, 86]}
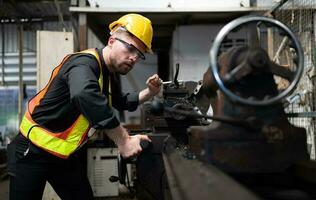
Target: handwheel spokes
{"type": "Point", "coordinates": [258, 63]}
{"type": "Point", "coordinates": [242, 70]}
{"type": "Point", "coordinates": [281, 71]}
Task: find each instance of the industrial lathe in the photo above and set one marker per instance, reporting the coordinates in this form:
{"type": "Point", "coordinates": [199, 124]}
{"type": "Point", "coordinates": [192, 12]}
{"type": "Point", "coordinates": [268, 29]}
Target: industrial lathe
{"type": "Point", "coordinates": [245, 148]}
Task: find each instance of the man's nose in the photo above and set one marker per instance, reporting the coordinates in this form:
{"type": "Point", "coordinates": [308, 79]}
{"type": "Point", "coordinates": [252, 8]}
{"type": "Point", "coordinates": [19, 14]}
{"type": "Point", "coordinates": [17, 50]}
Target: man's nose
{"type": "Point", "coordinates": [133, 57]}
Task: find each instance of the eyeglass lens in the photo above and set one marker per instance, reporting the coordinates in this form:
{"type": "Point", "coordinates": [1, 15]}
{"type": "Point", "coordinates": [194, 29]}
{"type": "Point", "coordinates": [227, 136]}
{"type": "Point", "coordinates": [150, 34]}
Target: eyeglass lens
{"type": "Point", "coordinates": [132, 49]}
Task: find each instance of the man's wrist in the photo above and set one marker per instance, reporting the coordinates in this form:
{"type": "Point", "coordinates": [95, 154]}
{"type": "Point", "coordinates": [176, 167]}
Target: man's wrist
{"type": "Point", "coordinates": [124, 137]}
{"type": "Point", "coordinates": [119, 135]}
{"type": "Point", "coordinates": [150, 93]}
{"type": "Point", "coordinates": [145, 95]}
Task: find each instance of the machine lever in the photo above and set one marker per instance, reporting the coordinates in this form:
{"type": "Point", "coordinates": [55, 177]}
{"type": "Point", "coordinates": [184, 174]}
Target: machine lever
{"type": "Point", "coordinates": [114, 179]}
{"type": "Point", "coordinates": [175, 79]}
{"type": "Point", "coordinates": [122, 165]}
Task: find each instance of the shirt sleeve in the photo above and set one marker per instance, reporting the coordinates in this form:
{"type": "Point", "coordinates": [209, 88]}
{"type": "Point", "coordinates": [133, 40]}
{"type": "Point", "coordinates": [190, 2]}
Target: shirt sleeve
{"type": "Point", "coordinates": [85, 94]}
{"type": "Point", "coordinates": [132, 101]}
{"type": "Point", "coordinates": [127, 101]}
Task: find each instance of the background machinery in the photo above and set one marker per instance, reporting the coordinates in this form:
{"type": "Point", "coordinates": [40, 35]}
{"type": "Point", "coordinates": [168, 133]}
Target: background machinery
{"type": "Point", "coordinates": [249, 150]}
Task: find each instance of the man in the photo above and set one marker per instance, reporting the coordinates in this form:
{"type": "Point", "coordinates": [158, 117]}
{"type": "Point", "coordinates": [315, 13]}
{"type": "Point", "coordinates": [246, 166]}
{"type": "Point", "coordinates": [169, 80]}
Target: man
{"type": "Point", "coordinates": [78, 99]}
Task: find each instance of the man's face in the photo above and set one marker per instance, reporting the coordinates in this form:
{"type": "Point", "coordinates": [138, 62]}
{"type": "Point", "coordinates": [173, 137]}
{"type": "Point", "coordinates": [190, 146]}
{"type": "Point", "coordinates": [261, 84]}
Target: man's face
{"type": "Point", "coordinates": [125, 52]}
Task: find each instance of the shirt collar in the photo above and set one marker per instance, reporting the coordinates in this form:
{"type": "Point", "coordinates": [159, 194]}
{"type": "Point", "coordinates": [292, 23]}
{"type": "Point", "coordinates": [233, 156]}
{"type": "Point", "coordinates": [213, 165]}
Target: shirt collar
{"type": "Point", "coordinates": [104, 67]}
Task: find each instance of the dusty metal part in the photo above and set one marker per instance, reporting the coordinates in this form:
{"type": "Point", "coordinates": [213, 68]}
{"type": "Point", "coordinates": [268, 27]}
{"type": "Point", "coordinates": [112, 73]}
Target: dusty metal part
{"type": "Point", "coordinates": [151, 183]}
{"type": "Point", "coordinates": [305, 170]}
{"type": "Point", "coordinates": [256, 144]}
{"type": "Point", "coordinates": [181, 96]}
{"type": "Point", "coordinates": [190, 179]}
{"type": "Point", "coordinates": [218, 73]}
{"type": "Point", "coordinates": [248, 91]}
{"type": "Point", "coordinates": [271, 148]}
{"type": "Point", "coordinates": [237, 150]}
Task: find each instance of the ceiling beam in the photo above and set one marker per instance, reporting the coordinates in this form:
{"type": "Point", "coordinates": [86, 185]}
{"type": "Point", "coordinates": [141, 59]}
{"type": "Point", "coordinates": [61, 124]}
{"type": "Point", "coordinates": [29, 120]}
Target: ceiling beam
{"type": "Point", "coordinates": [110, 9]}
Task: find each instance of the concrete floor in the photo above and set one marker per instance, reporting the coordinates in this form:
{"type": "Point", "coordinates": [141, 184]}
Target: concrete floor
{"type": "Point", "coordinates": [4, 193]}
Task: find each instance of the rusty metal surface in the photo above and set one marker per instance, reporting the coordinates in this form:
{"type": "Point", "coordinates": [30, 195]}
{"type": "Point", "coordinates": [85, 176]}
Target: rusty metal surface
{"type": "Point", "coordinates": [258, 155]}
{"type": "Point", "coordinates": [233, 149]}
{"type": "Point", "coordinates": [184, 96]}
{"type": "Point", "coordinates": [190, 179]}
{"type": "Point", "coordinates": [275, 144]}
{"type": "Point", "coordinates": [273, 147]}
{"type": "Point", "coordinates": [248, 62]}
{"type": "Point", "coordinates": [305, 171]}
{"type": "Point", "coordinates": [151, 181]}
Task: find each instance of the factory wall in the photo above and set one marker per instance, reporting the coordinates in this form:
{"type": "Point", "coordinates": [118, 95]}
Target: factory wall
{"type": "Point", "coordinates": [191, 52]}
{"type": "Point", "coordinates": [9, 68]}
{"type": "Point", "coordinates": [9, 48]}
{"type": "Point", "coordinates": [191, 46]}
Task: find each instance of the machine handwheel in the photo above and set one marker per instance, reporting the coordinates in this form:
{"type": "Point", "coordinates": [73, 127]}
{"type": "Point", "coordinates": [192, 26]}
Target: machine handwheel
{"type": "Point", "coordinates": [291, 72]}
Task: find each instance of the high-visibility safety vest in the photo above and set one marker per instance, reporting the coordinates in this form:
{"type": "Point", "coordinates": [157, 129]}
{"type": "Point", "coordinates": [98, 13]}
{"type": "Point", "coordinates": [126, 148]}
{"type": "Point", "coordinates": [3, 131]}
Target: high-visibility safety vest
{"type": "Point", "coordinates": [61, 144]}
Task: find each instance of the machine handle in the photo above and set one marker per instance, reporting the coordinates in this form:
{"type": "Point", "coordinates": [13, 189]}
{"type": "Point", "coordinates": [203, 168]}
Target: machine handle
{"type": "Point", "coordinates": [144, 144]}
{"type": "Point", "coordinates": [122, 164]}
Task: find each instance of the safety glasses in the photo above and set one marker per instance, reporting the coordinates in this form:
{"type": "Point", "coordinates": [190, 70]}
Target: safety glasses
{"type": "Point", "coordinates": [132, 49]}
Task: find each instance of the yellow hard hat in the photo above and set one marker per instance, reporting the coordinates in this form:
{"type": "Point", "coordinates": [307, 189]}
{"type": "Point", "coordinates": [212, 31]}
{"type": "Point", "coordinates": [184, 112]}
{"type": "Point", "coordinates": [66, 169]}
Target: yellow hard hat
{"type": "Point", "coordinates": [137, 25]}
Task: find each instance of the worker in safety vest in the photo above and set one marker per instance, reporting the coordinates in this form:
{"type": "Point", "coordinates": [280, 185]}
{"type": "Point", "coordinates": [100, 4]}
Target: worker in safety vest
{"type": "Point", "coordinates": [80, 98]}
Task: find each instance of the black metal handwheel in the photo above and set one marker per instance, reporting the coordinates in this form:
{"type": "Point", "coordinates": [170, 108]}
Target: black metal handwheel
{"type": "Point", "coordinates": [259, 59]}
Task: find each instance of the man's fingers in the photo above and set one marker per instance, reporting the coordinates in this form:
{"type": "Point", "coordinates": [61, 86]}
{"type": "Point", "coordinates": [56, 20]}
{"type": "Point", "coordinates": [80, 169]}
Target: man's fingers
{"type": "Point", "coordinates": [154, 78]}
{"type": "Point", "coordinates": [132, 153]}
{"type": "Point", "coordinates": [134, 145]}
{"type": "Point", "coordinates": [156, 82]}
{"type": "Point", "coordinates": [144, 137]}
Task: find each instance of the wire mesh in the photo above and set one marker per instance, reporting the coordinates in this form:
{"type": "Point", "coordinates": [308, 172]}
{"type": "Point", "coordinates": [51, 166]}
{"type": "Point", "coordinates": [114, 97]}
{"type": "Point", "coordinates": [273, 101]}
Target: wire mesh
{"type": "Point", "coordinates": [299, 16]}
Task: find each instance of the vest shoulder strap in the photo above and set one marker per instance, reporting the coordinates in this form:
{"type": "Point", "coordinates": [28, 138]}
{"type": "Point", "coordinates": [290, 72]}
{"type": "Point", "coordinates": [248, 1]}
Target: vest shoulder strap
{"type": "Point", "coordinates": [95, 53]}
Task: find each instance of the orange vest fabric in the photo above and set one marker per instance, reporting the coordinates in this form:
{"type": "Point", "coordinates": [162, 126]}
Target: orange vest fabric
{"type": "Point", "coordinates": [61, 144]}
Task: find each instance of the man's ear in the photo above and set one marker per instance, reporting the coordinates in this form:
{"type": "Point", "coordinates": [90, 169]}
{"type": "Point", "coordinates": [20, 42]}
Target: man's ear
{"type": "Point", "coordinates": [111, 41]}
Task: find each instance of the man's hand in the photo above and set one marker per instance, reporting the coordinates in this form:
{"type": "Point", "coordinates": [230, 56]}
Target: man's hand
{"type": "Point", "coordinates": [128, 145]}
{"type": "Point", "coordinates": [131, 146]}
{"type": "Point", "coordinates": [154, 83]}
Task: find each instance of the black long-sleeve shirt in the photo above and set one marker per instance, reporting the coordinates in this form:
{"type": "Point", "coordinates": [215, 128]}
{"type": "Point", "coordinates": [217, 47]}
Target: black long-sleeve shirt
{"type": "Point", "coordinates": [76, 90]}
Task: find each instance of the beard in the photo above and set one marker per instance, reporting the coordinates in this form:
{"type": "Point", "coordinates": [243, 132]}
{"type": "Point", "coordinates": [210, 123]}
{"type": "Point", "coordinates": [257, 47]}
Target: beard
{"type": "Point", "coordinates": [121, 68]}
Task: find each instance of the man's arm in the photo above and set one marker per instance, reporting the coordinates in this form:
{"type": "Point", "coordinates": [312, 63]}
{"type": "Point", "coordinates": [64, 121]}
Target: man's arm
{"type": "Point", "coordinates": [86, 95]}
{"type": "Point", "coordinates": [153, 87]}
{"type": "Point", "coordinates": [127, 145]}
{"type": "Point", "coordinates": [130, 145]}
